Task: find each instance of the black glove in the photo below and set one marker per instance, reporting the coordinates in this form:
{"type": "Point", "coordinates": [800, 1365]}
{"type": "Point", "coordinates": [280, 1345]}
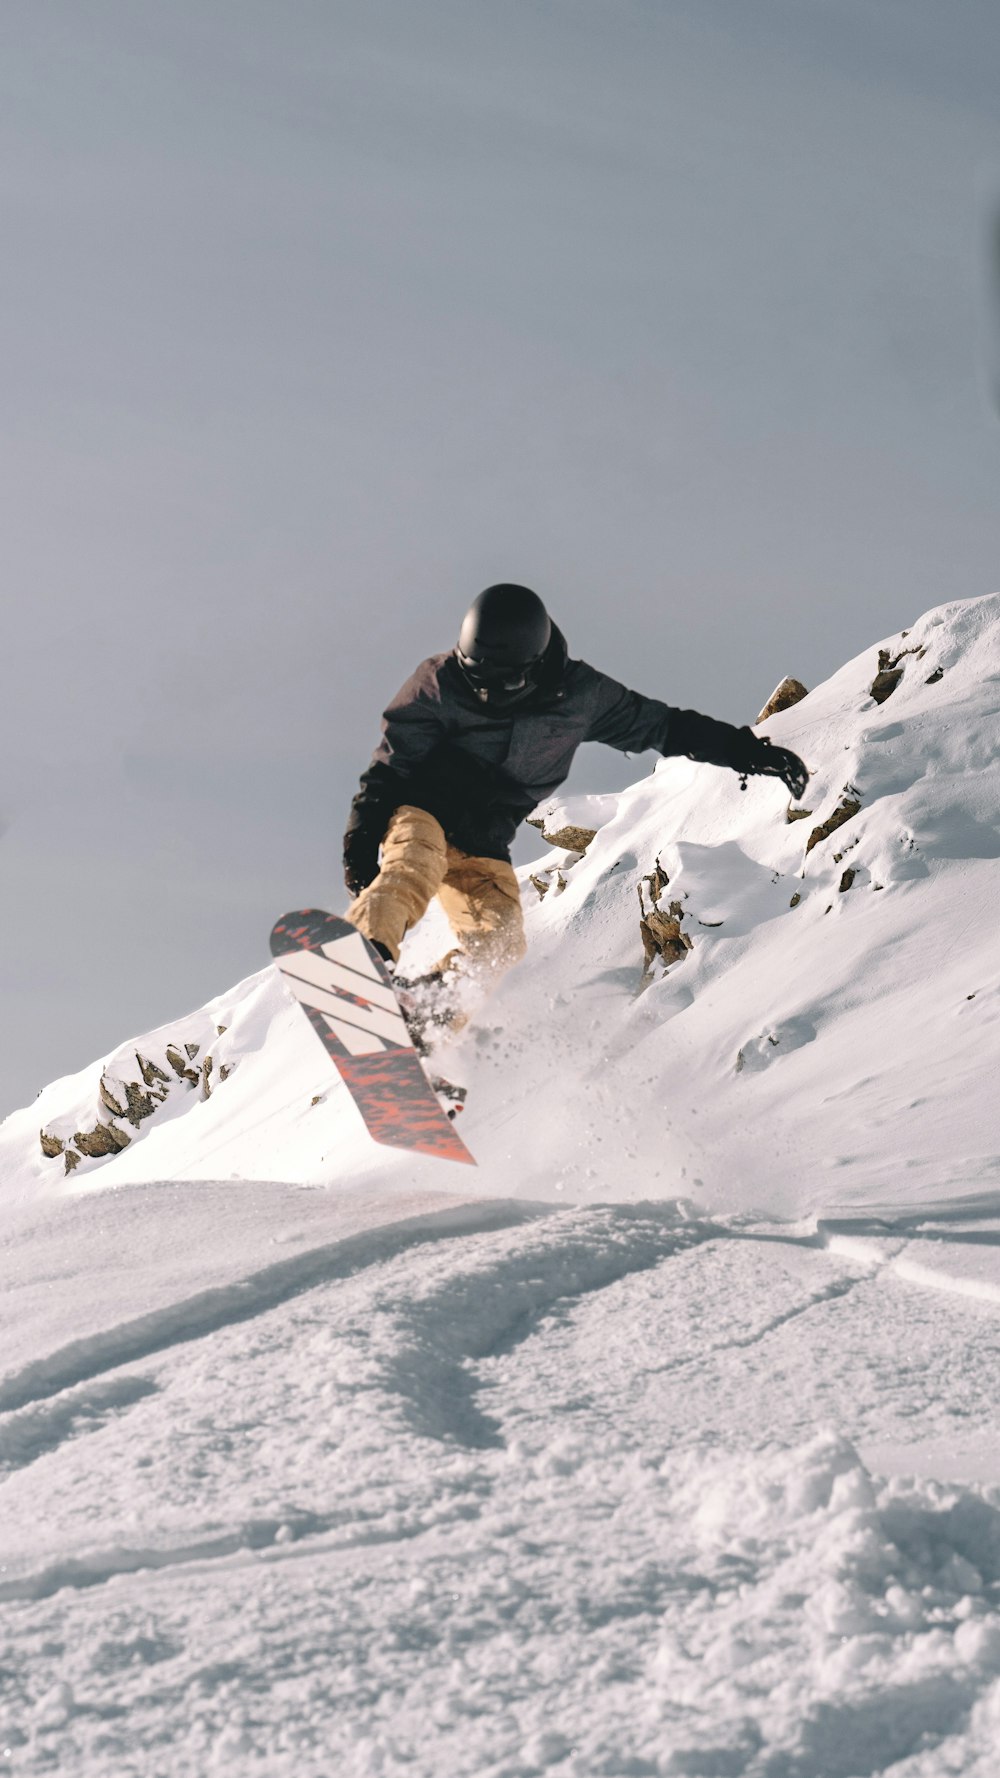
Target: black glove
{"type": "Point", "coordinates": [754, 757]}
{"type": "Point", "coordinates": [781, 762]}
{"type": "Point", "coordinates": [360, 859]}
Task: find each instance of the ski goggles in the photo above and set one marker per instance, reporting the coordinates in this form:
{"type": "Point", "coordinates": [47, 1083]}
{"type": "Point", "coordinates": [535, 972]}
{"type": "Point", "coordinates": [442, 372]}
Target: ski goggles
{"type": "Point", "coordinates": [489, 675]}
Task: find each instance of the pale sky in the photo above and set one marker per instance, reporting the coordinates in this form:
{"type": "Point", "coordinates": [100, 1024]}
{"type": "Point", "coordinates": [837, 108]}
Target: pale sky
{"type": "Point", "coordinates": [320, 315]}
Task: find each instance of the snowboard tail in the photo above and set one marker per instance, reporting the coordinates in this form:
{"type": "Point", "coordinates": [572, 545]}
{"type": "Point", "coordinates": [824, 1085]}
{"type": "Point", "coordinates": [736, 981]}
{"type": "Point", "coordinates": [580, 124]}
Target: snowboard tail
{"type": "Point", "coordinates": [347, 995]}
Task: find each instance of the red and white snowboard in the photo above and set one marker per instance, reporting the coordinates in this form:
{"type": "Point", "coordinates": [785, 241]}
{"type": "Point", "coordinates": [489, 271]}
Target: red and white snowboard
{"type": "Point", "coordinates": [346, 993]}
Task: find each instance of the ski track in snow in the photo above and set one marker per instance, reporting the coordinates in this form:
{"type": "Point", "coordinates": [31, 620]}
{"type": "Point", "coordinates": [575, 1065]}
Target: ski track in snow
{"type": "Point", "coordinates": [479, 1481]}
{"type": "Point", "coordinates": [197, 1316]}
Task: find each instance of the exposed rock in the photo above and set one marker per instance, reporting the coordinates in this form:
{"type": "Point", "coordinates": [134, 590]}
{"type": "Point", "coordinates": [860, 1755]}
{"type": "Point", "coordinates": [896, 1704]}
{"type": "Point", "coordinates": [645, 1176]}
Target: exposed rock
{"type": "Point", "coordinates": [571, 837]}
{"type": "Point", "coordinates": [656, 882]}
{"type": "Point", "coordinates": [108, 1099]}
{"type": "Point", "coordinates": [104, 1139]}
{"type": "Point", "coordinates": [848, 807]}
{"type": "Point", "coordinates": [71, 1159]}
{"type": "Point", "coordinates": [220, 1030]}
{"type": "Point", "coordinates": [137, 1103]}
{"type": "Point", "coordinates": [662, 937]}
{"type": "Point", "coordinates": [225, 1071]}
{"type": "Point", "coordinates": [180, 1067]}
{"type": "Point", "coordinates": [51, 1145]}
{"type": "Point", "coordinates": [890, 672]}
{"type": "Point", "coordinates": [796, 898]}
{"type": "Point", "coordinates": [884, 684]}
{"type": "Point", "coordinates": [932, 678]}
{"type": "Point", "coordinates": [546, 880]}
{"type": "Point", "coordinates": [150, 1072]}
{"type": "Point", "coordinates": [192, 1050]}
{"type": "Point", "coordinates": [140, 1104]}
{"type": "Point", "coordinates": [793, 814]}
{"type": "Point", "coordinates": [846, 880]}
{"type": "Point", "coordinates": [789, 692]}
{"type": "Point", "coordinates": [206, 1075]}
{"type": "Point", "coordinates": [660, 932]}
{"type": "Point", "coordinates": [566, 839]}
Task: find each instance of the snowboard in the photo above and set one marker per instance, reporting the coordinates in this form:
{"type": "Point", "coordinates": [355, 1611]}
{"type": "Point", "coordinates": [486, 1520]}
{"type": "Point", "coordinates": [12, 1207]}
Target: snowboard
{"type": "Point", "coordinates": [346, 993]}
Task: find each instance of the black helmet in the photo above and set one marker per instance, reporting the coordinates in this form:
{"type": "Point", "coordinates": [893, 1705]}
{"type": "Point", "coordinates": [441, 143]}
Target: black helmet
{"type": "Point", "coordinates": [504, 635]}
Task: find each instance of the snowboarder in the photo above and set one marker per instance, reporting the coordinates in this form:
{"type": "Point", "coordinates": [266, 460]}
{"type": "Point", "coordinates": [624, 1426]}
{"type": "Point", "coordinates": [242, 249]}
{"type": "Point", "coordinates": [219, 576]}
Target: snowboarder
{"type": "Point", "coordinates": [470, 745]}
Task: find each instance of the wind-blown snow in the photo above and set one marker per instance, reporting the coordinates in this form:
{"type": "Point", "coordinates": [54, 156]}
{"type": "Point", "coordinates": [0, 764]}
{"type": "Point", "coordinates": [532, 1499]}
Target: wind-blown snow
{"type": "Point", "coordinates": [666, 1445]}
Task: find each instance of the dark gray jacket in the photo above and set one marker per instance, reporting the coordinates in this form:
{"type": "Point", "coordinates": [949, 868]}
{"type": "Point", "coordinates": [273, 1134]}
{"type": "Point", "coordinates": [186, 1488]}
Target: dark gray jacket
{"type": "Point", "coordinates": [480, 771]}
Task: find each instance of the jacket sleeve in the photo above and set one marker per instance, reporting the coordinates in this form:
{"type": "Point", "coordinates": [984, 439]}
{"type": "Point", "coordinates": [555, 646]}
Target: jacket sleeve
{"type": "Point", "coordinates": [633, 723]}
{"type": "Point", "coordinates": [412, 727]}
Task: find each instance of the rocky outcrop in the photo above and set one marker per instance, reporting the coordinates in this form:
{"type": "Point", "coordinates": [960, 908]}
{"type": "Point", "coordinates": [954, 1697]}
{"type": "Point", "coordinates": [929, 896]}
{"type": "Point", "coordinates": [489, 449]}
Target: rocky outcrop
{"type": "Point", "coordinates": [109, 1101]}
{"type": "Point", "coordinates": [570, 825]}
{"type": "Point", "coordinates": [134, 1101]}
{"type": "Point", "coordinates": [567, 839]}
{"type": "Point", "coordinates": [890, 672]}
{"type": "Point", "coordinates": [660, 928]}
{"type": "Point", "coordinates": [180, 1066]}
{"type": "Point", "coordinates": [561, 827]}
{"type": "Point", "coordinates": [662, 936]}
{"type": "Point", "coordinates": [53, 1146]}
{"type": "Point", "coordinates": [150, 1072]}
{"type": "Point", "coordinates": [543, 881]}
{"type": "Point", "coordinates": [102, 1139]}
{"type": "Point", "coordinates": [847, 808]}
{"type": "Point", "coordinates": [784, 695]}
{"type": "Point", "coordinates": [137, 1104]}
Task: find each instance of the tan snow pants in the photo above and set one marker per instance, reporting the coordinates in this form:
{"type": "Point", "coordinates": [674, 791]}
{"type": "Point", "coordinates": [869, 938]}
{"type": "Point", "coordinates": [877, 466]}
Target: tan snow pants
{"type": "Point", "coordinates": [479, 895]}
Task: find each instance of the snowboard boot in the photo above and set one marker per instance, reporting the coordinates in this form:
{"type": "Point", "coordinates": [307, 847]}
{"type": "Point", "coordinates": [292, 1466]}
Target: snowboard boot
{"type": "Point", "coordinates": [430, 1007]}
{"type": "Point", "coordinates": [452, 1097]}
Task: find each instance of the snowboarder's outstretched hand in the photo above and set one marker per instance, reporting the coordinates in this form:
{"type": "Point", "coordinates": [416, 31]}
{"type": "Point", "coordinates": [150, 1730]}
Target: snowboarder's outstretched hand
{"type": "Point", "coordinates": [781, 762]}
{"type": "Point", "coordinates": [753, 756]}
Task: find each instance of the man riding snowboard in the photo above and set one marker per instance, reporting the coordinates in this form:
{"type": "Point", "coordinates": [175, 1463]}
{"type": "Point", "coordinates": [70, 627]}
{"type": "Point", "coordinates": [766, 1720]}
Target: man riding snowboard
{"type": "Point", "coordinates": [472, 743]}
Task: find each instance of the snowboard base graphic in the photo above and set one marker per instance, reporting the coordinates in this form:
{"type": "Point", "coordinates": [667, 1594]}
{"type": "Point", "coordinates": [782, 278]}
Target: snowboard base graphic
{"type": "Point", "coordinates": [346, 992]}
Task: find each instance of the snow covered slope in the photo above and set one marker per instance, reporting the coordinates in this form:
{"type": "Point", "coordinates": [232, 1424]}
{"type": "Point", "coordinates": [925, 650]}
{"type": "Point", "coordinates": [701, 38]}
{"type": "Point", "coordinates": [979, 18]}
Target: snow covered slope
{"type": "Point", "coordinates": [830, 1039]}
{"type": "Point", "coordinates": [663, 1443]}
{"type": "Point", "coordinates": [832, 1036]}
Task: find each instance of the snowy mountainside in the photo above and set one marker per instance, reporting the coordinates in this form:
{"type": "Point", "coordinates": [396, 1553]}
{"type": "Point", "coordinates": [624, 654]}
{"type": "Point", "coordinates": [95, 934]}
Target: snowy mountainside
{"type": "Point", "coordinates": [819, 1032]}
{"type": "Point", "coordinates": [663, 1443]}
{"type": "Point", "coordinates": [831, 1037]}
